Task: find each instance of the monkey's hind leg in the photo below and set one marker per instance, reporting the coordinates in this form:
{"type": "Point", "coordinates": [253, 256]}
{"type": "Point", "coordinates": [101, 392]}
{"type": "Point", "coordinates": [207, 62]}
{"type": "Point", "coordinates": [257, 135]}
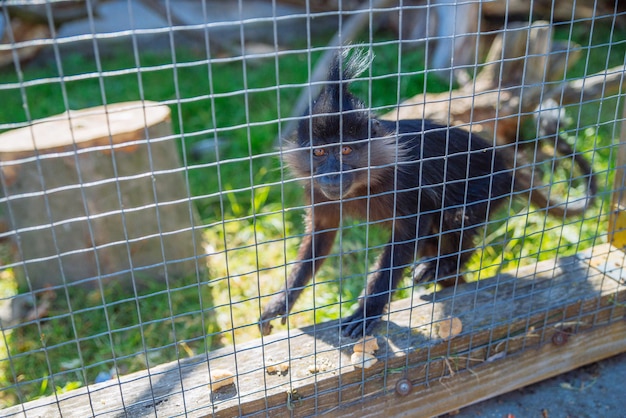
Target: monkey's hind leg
{"type": "Point", "coordinates": [456, 248]}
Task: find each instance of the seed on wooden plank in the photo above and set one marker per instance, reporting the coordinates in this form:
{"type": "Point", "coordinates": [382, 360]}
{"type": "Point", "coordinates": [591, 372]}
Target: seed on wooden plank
{"type": "Point", "coordinates": [450, 328]}
{"type": "Point", "coordinates": [363, 360]}
{"type": "Point", "coordinates": [368, 344]}
{"type": "Point", "coordinates": [280, 368]}
{"type": "Point", "coordinates": [220, 378]}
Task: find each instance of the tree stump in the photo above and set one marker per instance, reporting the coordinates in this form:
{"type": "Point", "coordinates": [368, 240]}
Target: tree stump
{"type": "Point", "coordinates": [98, 194]}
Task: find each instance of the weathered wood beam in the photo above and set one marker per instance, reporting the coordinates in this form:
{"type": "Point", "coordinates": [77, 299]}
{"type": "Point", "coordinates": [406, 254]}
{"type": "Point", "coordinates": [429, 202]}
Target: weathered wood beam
{"type": "Point", "coordinates": [566, 10]}
{"type": "Point", "coordinates": [498, 110]}
{"type": "Point", "coordinates": [488, 380]}
{"type": "Point", "coordinates": [513, 326]}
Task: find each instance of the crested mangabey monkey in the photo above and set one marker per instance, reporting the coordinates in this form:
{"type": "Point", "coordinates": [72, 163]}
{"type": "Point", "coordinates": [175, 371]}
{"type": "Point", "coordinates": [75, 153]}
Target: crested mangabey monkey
{"type": "Point", "coordinates": [432, 186]}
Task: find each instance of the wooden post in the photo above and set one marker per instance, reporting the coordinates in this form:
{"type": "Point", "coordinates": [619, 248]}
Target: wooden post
{"type": "Point", "coordinates": [617, 220]}
{"type": "Point", "coordinates": [98, 194]}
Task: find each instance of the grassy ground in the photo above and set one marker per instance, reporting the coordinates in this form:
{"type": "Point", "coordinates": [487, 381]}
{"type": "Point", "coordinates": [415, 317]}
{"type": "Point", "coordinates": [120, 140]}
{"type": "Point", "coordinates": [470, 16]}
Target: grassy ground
{"type": "Point", "coordinates": [251, 212]}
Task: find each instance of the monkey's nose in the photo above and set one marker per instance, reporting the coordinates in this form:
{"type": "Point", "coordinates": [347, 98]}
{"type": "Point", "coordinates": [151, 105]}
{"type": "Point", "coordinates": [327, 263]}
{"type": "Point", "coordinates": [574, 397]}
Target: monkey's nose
{"type": "Point", "coordinates": [330, 181]}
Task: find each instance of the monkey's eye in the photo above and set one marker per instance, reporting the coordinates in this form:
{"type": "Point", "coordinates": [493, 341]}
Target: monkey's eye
{"type": "Point", "coordinates": [345, 150]}
{"type": "Point", "coordinates": [319, 152]}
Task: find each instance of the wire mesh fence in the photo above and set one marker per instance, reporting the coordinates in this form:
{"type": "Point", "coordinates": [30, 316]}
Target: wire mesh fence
{"type": "Point", "coordinates": [450, 173]}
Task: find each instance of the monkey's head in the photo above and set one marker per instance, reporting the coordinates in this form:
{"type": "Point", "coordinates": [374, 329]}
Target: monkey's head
{"type": "Point", "coordinates": [339, 143]}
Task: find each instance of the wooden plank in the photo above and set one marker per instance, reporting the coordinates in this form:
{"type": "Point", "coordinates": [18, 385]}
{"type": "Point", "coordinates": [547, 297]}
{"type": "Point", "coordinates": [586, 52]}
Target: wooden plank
{"type": "Point", "coordinates": [508, 321]}
{"type": "Point", "coordinates": [491, 379]}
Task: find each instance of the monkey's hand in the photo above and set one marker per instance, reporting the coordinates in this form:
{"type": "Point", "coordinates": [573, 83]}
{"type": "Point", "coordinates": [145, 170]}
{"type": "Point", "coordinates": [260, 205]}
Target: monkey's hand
{"type": "Point", "coordinates": [357, 325]}
{"type": "Point", "coordinates": [275, 308]}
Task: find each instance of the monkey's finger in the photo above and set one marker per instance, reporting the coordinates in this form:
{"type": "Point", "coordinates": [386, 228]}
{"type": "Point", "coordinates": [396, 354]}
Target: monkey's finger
{"type": "Point", "coordinates": [352, 327]}
{"type": "Point", "coordinates": [283, 320]}
{"type": "Point", "coordinates": [265, 326]}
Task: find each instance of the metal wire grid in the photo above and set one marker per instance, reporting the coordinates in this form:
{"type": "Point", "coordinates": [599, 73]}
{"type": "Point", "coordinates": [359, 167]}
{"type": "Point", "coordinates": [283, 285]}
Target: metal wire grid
{"type": "Point", "coordinates": [225, 220]}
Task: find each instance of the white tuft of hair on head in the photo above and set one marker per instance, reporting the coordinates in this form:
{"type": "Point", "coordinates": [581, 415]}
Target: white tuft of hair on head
{"type": "Point", "coordinates": [358, 62]}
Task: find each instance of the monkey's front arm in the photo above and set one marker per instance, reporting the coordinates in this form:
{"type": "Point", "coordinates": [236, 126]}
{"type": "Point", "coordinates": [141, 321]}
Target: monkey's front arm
{"type": "Point", "coordinates": [322, 225]}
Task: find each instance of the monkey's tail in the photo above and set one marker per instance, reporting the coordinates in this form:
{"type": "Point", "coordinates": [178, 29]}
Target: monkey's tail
{"type": "Point", "coordinates": [526, 180]}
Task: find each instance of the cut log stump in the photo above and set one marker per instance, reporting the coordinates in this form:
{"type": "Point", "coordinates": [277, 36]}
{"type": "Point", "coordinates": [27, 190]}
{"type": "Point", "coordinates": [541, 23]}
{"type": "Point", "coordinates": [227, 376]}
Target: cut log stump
{"type": "Point", "coordinates": [98, 194]}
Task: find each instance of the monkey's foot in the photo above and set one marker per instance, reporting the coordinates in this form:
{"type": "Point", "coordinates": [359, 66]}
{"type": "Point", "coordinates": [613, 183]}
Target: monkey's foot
{"type": "Point", "coordinates": [357, 326]}
{"type": "Point", "coordinates": [425, 272]}
{"type": "Point", "coordinates": [428, 272]}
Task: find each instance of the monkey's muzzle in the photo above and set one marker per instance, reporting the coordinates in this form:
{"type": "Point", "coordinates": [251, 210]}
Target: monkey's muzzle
{"type": "Point", "coordinates": [335, 186]}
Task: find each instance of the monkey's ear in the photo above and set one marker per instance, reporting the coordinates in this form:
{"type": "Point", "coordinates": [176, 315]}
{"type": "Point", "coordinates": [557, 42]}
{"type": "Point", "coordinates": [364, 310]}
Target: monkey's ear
{"type": "Point", "coordinates": [290, 142]}
{"type": "Point", "coordinates": [377, 129]}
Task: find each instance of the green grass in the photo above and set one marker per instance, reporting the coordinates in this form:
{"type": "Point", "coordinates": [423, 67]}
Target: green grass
{"type": "Point", "coordinates": [111, 330]}
{"type": "Point", "coordinates": [252, 218]}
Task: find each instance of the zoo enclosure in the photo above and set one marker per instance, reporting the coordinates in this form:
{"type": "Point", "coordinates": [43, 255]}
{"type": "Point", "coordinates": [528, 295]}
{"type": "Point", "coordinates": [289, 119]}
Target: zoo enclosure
{"type": "Point", "coordinates": [245, 230]}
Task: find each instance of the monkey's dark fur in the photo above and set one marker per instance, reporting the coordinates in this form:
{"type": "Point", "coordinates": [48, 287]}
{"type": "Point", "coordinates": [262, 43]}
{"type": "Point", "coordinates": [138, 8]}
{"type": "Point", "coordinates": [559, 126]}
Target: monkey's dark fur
{"type": "Point", "coordinates": [432, 187]}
